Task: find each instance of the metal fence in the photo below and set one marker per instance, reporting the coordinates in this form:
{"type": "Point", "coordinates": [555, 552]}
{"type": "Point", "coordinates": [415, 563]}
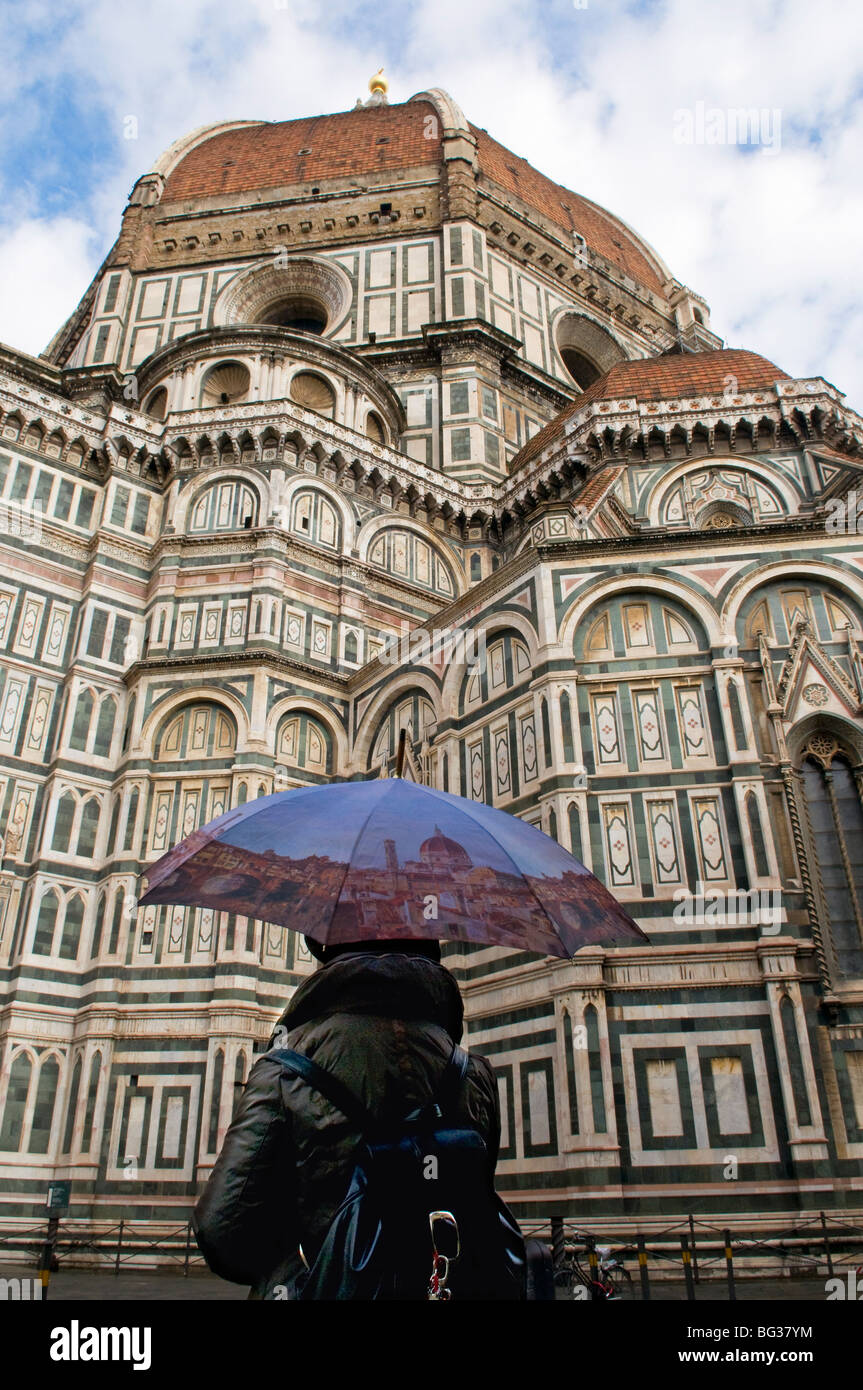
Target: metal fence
{"type": "Point", "coordinates": [105, 1244]}
{"type": "Point", "coordinates": [693, 1251]}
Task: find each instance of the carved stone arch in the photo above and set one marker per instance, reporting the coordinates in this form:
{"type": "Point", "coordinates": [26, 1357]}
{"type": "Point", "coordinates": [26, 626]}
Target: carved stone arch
{"type": "Point", "coordinates": [846, 736]}
{"type": "Point", "coordinates": [193, 695]}
{"type": "Point", "coordinates": [790, 492]}
{"type": "Point", "coordinates": [723, 515]}
{"type": "Point", "coordinates": [493, 625]}
{"type": "Point", "coordinates": [254, 296]}
{"type": "Point", "coordinates": [802, 571]}
{"type": "Point", "coordinates": [298, 372]}
{"type": "Point", "coordinates": [370, 529]}
{"type": "Point", "coordinates": [189, 496]}
{"type": "Point", "coordinates": [403, 685]}
{"type": "Point", "coordinates": [604, 589]}
{"type": "Point", "coordinates": [303, 704]}
{"type": "Point", "coordinates": [312, 483]}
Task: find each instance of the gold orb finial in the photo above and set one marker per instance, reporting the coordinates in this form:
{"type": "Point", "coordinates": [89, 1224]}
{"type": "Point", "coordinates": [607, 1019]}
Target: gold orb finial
{"type": "Point", "coordinates": [378, 83]}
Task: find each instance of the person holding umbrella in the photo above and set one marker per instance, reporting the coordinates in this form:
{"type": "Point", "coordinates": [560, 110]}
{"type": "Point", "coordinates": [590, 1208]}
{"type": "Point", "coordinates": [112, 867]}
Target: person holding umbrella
{"type": "Point", "coordinates": [366, 1058]}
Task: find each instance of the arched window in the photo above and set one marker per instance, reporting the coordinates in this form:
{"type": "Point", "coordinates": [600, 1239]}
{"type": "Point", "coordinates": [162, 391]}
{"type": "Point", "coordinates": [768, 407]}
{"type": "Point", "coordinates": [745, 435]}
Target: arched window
{"type": "Point", "coordinates": [475, 568]}
{"type": "Point", "coordinates": [43, 1111]}
{"type": "Point", "coordinates": [303, 742]}
{"type": "Point", "coordinates": [413, 713]}
{"type": "Point", "coordinates": [196, 732]}
{"type": "Point", "coordinates": [15, 1111]}
{"type": "Point", "coordinates": [66, 808]}
{"type": "Point", "coordinates": [98, 927]}
{"type": "Point", "coordinates": [89, 828]}
{"type": "Point", "coordinates": [81, 722]}
{"type": "Point", "coordinates": [570, 1073]}
{"type": "Point", "coordinates": [239, 1081]}
{"type": "Point", "coordinates": [225, 384]}
{"type": "Point", "coordinates": [111, 846]}
{"type": "Point", "coordinates": [215, 1102]}
{"type": "Point", "coordinates": [70, 938]}
{"type": "Point", "coordinates": [312, 392]}
{"type": "Point", "coordinates": [351, 647]}
{"type": "Point", "coordinates": [105, 727]}
{"type": "Point", "coordinates": [788, 1015]}
{"type": "Point", "coordinates": [72, 1107]}
{"type": "Point", "coordinates": [226, 506]}
{"type": "Point", "coordinates": [116, 921]}
{"type": "Point", "coordinates": [375, 428]}
{"type": "Point", "coordinates": [566, 726]}
{"type": "Point", "coordinates": [92, 1094]}
{"type": "Point", "coordinates": [131, 819]}
{"type": "Point", "coordinates": [736, 716]}
{"type": "Point", "coordinates": [407, 556]}
{"type": "Point", "coordinates": [315, 518]}
{"type": "Point", "coordinates": [756, 836]}
{"type": "Point", "coordinates": [597, 1091]}
{"type": "Point", "coordinates": [43, 939]}
{"type": "Point", "coordinates": [832, 802]}
{"type": "Point", "coordinates": [546, 731]}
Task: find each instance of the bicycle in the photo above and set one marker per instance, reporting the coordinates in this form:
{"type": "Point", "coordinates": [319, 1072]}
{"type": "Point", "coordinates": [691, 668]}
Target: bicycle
{"type": "Point", "coordinates": [612, 1280]}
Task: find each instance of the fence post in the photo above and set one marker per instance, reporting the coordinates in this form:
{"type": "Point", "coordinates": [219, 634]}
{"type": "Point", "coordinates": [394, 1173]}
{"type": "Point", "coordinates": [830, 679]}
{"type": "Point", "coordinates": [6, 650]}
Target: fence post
{"type": "Point", "coordinates": [729, 1266]}
{"type": "Point", "coordinates": [687, 1267]}
{"type": "Point", "coordinates": [119, 1244]}
{"type": "Point", "coordinates": [827, 1245]}
{"type": "Point", "coordinates": [48, 1254]}
{"type": "Point", "coordinates": [592, 1266]}
{"type": "Point", "coordinates": [558, 1243]}
{"type": "Point", "coordinates": [642, 1265]}
{"type": "Point", "coordinates": [692, 1248]}
{"type": "Point", "coordinates": [188, 1248]}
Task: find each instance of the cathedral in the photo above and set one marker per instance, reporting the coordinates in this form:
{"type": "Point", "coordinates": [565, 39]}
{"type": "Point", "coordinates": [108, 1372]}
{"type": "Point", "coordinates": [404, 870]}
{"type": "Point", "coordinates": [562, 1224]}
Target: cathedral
{"type": "Point", "coordinates": [365, 426]}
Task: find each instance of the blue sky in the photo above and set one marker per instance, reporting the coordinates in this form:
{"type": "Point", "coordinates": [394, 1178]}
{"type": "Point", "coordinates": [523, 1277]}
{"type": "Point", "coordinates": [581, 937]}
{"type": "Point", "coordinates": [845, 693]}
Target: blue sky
{"type": "Point", "coordinates": [591, 93]}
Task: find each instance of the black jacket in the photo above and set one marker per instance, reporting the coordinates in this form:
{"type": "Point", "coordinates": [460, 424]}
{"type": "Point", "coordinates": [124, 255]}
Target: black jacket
{"type": "Point", "coordinates": [385, 1025]}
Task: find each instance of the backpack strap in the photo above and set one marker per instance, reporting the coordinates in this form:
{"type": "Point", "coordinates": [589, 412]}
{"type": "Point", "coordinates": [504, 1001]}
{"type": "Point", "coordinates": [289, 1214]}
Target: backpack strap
{"type": "Point", "coordinates": [327, 1085]}
{"type": "Point", "coordinates": [339, 1095]}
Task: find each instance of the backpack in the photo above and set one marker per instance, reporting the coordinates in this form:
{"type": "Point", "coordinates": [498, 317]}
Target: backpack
{"type": "Point", "coordinates": [409, 1179]}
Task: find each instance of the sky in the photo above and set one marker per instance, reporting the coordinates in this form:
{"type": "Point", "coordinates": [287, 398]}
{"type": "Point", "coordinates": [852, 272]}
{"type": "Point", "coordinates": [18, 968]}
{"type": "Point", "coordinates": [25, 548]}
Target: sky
{"type": "Point", "coordinates": [628, 102]}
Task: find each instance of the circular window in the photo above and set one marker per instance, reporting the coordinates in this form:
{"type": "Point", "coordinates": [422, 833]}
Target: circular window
{"type": "Point", "coordinates": [157, 405]}
{"type": "Point", "coordinates": [375, 428]}
{"type": "Point", "coordinates": [308, 295]}
{"type": "Point", "coordinates": [303, 313]}
{"type": "Point", "coordinates": [225, 385]}
{"type": "Point", "coordinates": [313, 393]}
{"type": "Point", "coordinates": [583, 372]}
{"type": "Point", "coordinates": [587, 350]}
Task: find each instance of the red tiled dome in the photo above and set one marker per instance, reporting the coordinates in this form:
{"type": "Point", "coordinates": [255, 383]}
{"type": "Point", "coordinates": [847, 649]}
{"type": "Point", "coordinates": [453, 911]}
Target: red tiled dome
{"type": "Point", "coordinates": [665, 378]}
{"type": "Point", "coordinates": [346, 144]}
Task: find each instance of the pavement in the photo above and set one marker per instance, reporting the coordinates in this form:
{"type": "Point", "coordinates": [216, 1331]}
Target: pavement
{"type": "Point", "coordinates": [136, 1285]}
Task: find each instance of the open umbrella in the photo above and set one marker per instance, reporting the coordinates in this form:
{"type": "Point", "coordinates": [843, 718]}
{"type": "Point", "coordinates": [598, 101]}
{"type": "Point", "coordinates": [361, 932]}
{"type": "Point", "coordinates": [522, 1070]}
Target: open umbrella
{"type": "Point", "coordinates": [354, 861]}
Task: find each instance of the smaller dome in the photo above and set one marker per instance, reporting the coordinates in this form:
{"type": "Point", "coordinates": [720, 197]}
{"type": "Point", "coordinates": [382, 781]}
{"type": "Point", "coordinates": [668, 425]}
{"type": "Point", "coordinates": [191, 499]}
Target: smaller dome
{"type": "Point", "coordinates": [440, 849]}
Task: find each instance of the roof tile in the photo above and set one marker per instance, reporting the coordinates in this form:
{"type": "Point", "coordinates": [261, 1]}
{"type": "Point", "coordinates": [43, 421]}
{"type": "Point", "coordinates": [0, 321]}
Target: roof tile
{"type": "Point", "coordinates": [664, 378]}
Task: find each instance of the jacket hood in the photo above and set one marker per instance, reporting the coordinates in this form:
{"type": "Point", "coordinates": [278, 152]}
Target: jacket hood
{"type": "Point", "coordinates": [395, 985]}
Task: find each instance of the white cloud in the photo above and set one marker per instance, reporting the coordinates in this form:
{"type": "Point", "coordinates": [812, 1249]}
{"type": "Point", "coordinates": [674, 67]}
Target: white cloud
{"type": "Point", "coordinates": [587, 95]}
{"type": "Point", "coordinates": [45, 266]}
